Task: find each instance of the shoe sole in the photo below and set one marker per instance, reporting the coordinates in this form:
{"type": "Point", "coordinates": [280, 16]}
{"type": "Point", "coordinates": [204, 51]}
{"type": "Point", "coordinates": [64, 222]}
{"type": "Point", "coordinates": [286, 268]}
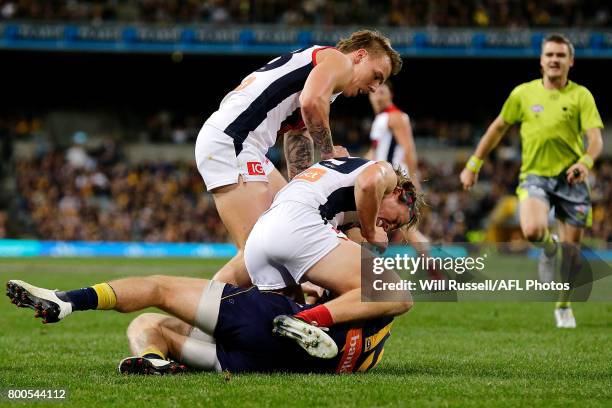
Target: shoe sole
{"type": "Point", "coordinates": [142, 366]}
{"type": "Point", "coordinates": [47, 310]}
{"type": "Point", "coordinates": [315, 341]}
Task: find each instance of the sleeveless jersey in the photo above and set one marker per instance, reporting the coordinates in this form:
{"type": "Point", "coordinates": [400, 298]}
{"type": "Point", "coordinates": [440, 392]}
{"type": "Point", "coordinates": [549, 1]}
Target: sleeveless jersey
{"type": "Point", "coordinates": [384, 143]}
{"type": "Point", "coordinates": [328, 186]}
{"type": "Point", "coordinates": [267, 101]}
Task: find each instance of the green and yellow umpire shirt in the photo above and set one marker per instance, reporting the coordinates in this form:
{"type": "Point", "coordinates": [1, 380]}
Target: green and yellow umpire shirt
{"type": "Point", "coordinates": [553, 122]}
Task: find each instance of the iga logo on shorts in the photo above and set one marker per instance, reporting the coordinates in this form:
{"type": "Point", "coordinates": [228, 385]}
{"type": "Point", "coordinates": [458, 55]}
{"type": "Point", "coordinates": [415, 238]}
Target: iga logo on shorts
{"type": "Point", "coordinates": [255, 169]}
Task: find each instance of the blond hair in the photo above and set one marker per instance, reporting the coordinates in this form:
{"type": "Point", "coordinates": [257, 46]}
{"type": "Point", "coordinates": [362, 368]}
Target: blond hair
{"type": "Point", "coordinates": [374, 42]}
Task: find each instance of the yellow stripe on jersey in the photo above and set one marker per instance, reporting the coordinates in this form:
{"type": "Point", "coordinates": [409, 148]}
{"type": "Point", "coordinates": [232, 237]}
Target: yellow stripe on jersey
{"type": "Point", "coordinates": [366, 363]}
{"type": "Point", "coordinates": [372, 341]}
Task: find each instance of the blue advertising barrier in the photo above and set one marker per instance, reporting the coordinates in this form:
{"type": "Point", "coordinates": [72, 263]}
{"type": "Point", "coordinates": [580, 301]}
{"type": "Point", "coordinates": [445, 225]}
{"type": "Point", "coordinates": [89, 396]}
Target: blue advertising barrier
{"type": "Point", "coordinates": [32, 248]}
{"type": "Point", "coordinates": [274, 39]}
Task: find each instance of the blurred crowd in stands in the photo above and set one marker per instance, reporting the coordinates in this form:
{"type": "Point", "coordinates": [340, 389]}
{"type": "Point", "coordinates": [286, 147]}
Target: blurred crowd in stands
{"type": "Point", "coordinates": [402, 13]}
{"type": "Point", "coordinates": [80, 194]}
{"type": "Point", "coordinates": [97, 196]}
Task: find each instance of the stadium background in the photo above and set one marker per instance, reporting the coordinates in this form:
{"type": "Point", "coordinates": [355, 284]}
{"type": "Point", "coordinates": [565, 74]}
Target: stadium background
{"type": "Point", "coordinates": [102, 101]}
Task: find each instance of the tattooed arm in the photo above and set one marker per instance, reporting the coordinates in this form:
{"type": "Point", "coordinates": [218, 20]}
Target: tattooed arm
{"type": "Point", "coordinates": [299, 152]}
{"type": "Point", "coordinates": [332, 73]}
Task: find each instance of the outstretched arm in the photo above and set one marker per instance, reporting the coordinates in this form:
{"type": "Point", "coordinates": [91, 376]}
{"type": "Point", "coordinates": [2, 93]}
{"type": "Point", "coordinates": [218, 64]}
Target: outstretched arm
{"type": "Point", "coordinates": [491, 138]}
{"type": "Point", "coordinates": [331, 74]}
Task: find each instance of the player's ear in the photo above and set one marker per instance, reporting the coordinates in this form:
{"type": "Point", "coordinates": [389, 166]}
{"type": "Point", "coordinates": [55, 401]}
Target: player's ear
{"type": "Point", "coordinates": [360, 55]}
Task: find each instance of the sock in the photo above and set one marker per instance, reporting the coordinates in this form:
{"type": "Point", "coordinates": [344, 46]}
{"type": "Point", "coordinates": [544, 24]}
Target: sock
{"type": "Point", "coordinates": [100, 296]}
{"type": "Point", "coordinates": [563, 304]}
{"type": "Point", "coordinates": [81, 299]}
{"type": "Point", "coordinates": [106, 296]}
{"type": "Point", "coordinates": [152, 352]}
{"type": "Point", "coordinates": [317, 316]}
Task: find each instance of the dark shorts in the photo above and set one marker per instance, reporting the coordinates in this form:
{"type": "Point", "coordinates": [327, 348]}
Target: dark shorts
{"type": "Point", "coordinates": [245, 342]}
{"type": "Point", "coordinates": [572, 203]}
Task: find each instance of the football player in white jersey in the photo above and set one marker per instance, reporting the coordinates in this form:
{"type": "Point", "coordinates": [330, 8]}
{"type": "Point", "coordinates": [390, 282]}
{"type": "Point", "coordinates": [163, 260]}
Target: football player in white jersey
{"type": "Point", "coordinates": [296, 239]}
{"type": "Point", "coordinates": [392, 140]}
{"type": "Point", "coordinates": [291, 93]}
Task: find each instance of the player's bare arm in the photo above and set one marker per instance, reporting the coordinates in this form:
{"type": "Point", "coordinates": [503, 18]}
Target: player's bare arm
{"type": "Point", "coordinates": [495, 132]}
{"type": "Point", "coordinates": [579, 171]}
{"type": "Point", "coordinates": [402, 131]}
{"type": "Point", "coordinates": [332, 74]}
{"type": "Point", "coordinates": [299, 151]}
{"type": "Point", "coordinates": [370, 188]}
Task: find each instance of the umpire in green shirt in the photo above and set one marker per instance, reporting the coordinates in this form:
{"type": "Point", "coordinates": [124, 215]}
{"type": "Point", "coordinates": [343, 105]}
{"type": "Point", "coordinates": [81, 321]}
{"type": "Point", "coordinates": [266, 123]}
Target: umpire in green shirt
{"type": "Point", "coordinates": [554, 113]}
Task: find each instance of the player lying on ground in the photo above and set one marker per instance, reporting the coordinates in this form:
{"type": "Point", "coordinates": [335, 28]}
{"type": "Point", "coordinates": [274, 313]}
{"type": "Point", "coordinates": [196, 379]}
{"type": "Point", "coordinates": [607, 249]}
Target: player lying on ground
{"type": "Point", "coordinates": [296, 239]}
{"type": "Point", "coordinates": [291, 93]}
{"type": "Point", "coordinates": [213, 326]}
{"type": "Point", "coordinates": [554, 113]}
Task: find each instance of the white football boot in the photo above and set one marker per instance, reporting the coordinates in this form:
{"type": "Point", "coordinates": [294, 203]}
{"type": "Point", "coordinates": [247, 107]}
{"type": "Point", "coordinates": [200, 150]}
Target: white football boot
{"type": "Point", "coordinates": [311, 338]}
{"type": "Point", "coordinates": [44, 301]}
{"type": "Point", "coordinates": [565, 318]}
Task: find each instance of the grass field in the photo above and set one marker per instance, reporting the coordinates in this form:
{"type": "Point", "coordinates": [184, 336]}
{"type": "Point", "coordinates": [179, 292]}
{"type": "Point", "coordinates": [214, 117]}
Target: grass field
{"type": "Point", "coordinates": [440, 354]}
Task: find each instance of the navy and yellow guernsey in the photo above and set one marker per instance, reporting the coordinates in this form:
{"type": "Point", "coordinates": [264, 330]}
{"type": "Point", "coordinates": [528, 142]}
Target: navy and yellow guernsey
{"type": "Point", "coordinates": [245, 342]}
{"type": "Point", "coordinates": [553, 122]}
{"type": "Point", "coordinates": [360, 347]}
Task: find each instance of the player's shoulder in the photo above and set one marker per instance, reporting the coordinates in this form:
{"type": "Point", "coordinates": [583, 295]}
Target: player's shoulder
{"type": "Point", "coordinates": [527, 87]}
{"type": "Point", "coordinates": [332, 57]}
{"type": "Point", "coordinates": [581, 90]}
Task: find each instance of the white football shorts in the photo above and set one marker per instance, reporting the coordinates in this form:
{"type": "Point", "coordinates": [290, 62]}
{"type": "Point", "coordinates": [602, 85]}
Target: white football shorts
{"type": "Point", "coordinates": [220, 166]}
{"type": "Point", "coordinates": [285, 243]}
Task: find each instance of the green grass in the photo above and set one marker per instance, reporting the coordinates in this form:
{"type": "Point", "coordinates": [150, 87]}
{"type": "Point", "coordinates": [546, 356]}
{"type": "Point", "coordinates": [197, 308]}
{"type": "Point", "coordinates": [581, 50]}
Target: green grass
{"type": "Point", "coordinates": [440, 354]}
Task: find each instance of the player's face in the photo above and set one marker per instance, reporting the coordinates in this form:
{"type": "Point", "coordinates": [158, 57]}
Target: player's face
{"type": "Point", "coordinates": [381, 98]}
{"type": "Point", "coordinates": [369, 72]}
{"type": "Point", "coordinates": [393, 212]}
{"type": "Point", "coordinates": [556, 60]}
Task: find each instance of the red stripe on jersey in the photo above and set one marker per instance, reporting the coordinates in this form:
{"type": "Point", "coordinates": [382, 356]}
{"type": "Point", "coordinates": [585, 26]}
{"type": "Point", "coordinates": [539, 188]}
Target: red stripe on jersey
{"type": "Point", "coordinates": [314, 54]}
{"type": "Point", "coordinates": [352, 351]}
{"type": "Point", "coordinates": [392, 108]}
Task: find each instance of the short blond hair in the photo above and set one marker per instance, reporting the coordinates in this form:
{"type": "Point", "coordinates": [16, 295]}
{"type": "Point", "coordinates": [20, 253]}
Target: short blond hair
{"type": "Point", "coordinates": [371, 41]}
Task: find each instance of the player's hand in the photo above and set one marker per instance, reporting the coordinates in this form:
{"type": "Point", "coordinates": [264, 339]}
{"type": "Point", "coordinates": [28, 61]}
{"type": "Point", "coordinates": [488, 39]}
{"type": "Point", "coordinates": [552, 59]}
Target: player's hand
{"type": "Point", "coordinates": [339, 151]}
{"type": "Point", "coordinates": [468, 178]}
{"type": "Point", "coordinates": [379, 239]}
{"type": "Point", "coordinates": [577, 173]}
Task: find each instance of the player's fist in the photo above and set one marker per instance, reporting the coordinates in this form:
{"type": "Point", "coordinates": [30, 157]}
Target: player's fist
{"type": "Point", "coordinates": [577, 173]}
{"type": "Point", "coordinates": [468, 178]}
{"type": "Point", "coordinates": [340, 151]}
{"type": "Point", "coordinates": [379, 238]}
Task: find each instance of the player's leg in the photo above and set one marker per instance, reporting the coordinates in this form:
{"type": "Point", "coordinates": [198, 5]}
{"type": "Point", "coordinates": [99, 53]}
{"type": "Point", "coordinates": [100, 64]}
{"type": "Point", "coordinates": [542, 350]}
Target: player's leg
{"type": "Point", "coordinates": [533, 215]}
{"type": "Point", "coordinates": [239, 206]}
{"type": "Point", "coordinates": [571, 264]}
{"type": "Point", "coordinates": [155, 341]}
{"type": "Point", "coordinates": [175, 295]}
{"type": "Point", "coordinates": [340, 272]}
{"type": "Point", "coordinates": [573, 210]}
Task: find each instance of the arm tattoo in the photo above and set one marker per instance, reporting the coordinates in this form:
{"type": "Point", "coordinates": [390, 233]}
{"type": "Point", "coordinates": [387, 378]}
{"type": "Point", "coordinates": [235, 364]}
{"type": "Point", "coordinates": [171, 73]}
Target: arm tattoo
{"type": "Point", "coordinates": [299, 153]}
{"type": "Point", "coordinates": [322, 138]}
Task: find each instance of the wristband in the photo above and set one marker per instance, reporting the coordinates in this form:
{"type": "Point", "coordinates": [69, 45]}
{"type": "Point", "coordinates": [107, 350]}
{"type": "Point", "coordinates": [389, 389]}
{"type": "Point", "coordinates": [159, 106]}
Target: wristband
{"type": "Point", "coordinates": [474, 164]}
{"type": "Point", "coordinates": [587, 160]}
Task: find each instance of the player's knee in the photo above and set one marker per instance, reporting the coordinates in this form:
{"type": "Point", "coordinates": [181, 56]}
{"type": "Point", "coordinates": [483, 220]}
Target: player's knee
{"type": "Point", "coordinates": [534, 233]}
{"type": "Point", "coordinates": [142, 322]}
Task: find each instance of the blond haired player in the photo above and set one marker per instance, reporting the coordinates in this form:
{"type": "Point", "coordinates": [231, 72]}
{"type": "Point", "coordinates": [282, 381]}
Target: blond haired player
{"type": "Point", "coordinates": [554, 113]}
{"type": "Point", "coordinates": [292, 93]}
